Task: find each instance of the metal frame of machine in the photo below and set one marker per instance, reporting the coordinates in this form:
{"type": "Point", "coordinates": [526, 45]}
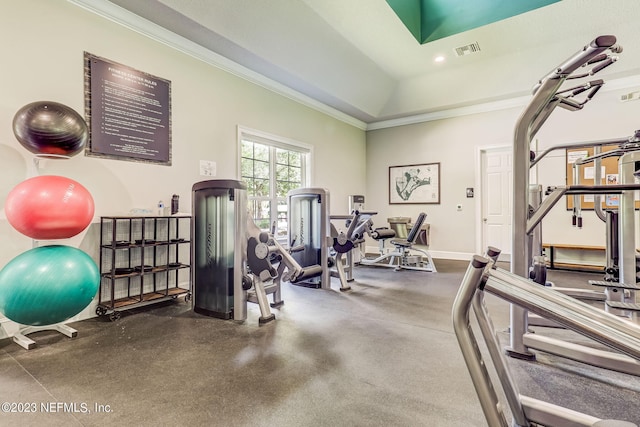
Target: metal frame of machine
{"type": "Point", "coordinates": [482, 276]}
{"type": "Point", "coordinates": [547, 95]}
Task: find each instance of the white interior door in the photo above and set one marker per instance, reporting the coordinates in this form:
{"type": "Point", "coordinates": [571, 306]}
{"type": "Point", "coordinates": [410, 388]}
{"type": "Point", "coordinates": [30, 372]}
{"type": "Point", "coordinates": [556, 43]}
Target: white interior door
{"type": "Point", "coordinates": [496, 182]}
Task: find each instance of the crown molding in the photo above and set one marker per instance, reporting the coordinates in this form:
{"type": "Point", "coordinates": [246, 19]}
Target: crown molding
{"type": "Point", "coordinates": [521, 101]}
{"type": "Point", "coordinates": [123, 17]}
{"type": "Point", "coordinates": [450, 113]}
{"type": "Point", "coordinates": [155, 32]}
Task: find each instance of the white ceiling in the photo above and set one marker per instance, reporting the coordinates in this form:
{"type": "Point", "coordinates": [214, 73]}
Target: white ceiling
{"type": "Point", "coordinates": [357, 57]}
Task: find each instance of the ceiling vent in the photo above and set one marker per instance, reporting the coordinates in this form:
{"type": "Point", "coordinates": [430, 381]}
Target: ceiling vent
{"type": "Point", "coordinates": [633, 96]}
{"type": "Point", "coordinates": [467, 49]}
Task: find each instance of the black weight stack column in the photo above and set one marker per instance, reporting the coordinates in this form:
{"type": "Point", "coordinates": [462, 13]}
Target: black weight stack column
{"type": "Point", "coordinates": [219, 246]}
{"type": "Point", "coordinates": [308, 214]}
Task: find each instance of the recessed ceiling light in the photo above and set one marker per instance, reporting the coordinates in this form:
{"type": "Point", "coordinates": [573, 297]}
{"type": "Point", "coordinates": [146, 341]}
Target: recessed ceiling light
{"type": "Point", "coordinates": [439, 58]}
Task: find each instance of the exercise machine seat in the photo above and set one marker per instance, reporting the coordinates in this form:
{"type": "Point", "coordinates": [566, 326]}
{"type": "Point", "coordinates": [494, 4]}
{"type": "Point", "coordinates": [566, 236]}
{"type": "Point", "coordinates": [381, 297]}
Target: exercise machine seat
{"type": "Point", "coordinates": [400, 224]}
{"type": "Point", "coordinates": [413, 234]}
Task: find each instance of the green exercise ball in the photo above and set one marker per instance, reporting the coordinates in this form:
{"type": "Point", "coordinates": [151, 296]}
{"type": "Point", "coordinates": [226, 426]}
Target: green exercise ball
{"type": "Point", "coordinates": [47, 285]}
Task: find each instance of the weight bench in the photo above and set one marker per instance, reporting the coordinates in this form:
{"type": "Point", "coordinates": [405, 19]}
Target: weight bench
{"type": "Point", "coordinates": [401, 257]}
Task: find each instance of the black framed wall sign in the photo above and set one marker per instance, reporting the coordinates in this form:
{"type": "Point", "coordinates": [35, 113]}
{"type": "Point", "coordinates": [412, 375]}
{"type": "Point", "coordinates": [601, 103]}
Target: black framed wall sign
{"type": "Point", "coordinates": [128, 112]}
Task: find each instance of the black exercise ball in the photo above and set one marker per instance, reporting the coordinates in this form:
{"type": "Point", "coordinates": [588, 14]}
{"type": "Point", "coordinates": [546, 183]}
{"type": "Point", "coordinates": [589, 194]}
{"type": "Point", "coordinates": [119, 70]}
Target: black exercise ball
{"type": "Point", "coordinates": [50, 129]}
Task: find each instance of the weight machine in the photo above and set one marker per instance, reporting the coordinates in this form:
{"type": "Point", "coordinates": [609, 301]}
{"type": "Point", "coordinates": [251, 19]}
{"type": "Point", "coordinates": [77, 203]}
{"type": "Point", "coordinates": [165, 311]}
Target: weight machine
{"type": "Point", "coordinates": [482, 276]}
{"type": "Point", "coordinates": [344, 245]}
{"type": "Point", "coordinates": [616, 291]}
{"type": "Point", "coordinates": [315, 240]}
{"type": "Point", "coordinates": [219, 248]}
{"type": "Point", "coordinates": [308, 231]}
{"type": "Point", "coordinates": [262, 278]}
{"type": "Point", "coordinates": [547, 95]}
{"type": "Point", "coordinates": [233, 260]}
{"type": "Point", "coordinates": [400, 258]}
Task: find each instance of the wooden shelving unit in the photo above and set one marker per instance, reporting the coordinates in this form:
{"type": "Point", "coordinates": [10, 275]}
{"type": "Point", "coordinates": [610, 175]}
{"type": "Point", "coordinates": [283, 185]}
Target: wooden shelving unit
{"type": "Point", "coordinates": [143, 260]}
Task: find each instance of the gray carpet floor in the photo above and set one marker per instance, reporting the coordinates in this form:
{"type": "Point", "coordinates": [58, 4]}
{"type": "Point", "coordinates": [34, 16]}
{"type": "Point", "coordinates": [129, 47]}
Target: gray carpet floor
{"type": "Point", "coordinates": [383, 354]}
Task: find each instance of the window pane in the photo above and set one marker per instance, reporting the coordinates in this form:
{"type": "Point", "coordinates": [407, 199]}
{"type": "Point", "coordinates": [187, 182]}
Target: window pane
{"type": "Point", "coordinates": [253, 208]}
{"type": "Point", "coordinates": [261, 169]}
{"type": "Point", "coordinates": [283, 187]}
{"type": "Point", "coordinates": [261, 187]}
{"type": "Point", "coordinates": [251, 186]}
{"type": "Point", "coordinates": [282, 173]}
{"type": "Point", "coordinates": [247, 168]}
{"type": "Point", "coordinates": [261, 152]}
{"type": "Point", "coordinates": [260, 212]}
{"type": "Point", "coordinates": [247, 149]}
{"type": "Point", "coordinates": [282, 156]}
{"type": "Point", "coordinates": [259, 163]}
{"type": "Point", "coordinates": [257, 187]}
{"type": "Point", "coordinates": [295, 159]}
{"type": "Point", "coordinates": [295, 175]}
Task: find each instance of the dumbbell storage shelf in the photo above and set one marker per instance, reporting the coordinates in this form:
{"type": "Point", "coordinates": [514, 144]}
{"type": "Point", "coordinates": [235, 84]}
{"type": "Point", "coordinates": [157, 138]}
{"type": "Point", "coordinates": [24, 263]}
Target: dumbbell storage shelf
{"type": "Point", "coordinates": [143, 260]}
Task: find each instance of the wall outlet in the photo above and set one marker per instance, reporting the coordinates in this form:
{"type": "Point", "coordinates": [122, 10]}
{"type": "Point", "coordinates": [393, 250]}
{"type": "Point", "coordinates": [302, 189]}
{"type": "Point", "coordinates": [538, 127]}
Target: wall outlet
{"type": "Point", "coordinates": [207, 168]}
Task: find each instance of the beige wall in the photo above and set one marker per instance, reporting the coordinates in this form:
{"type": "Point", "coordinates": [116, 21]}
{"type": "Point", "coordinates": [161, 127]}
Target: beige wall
{"type": "Point", "coordinates": [43, 47]}
{"type": "Point", "coordinates": [455, 143]}
{"type": "Point", "coordinates": [452, 143]}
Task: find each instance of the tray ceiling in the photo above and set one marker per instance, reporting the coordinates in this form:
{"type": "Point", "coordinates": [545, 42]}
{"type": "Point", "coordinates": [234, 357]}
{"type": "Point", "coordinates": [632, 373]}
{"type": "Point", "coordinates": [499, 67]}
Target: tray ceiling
{"type": "Point", "coordinates": [357, 57]}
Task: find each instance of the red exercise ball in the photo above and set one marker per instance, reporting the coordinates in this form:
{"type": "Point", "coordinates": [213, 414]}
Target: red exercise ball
{"type": "Point", "coordinates": [49, 207]}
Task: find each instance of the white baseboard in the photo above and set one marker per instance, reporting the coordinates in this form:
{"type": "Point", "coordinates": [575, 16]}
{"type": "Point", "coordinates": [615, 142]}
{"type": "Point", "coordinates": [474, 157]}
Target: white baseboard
{"type": "Point", "coordinates": [9, 328]}
{"type": "Point", "coordinates": [459, 256]}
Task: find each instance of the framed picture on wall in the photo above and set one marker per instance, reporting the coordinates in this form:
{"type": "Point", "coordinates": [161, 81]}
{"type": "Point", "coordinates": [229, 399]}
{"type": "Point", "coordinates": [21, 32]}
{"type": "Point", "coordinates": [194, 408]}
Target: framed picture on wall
{"type": "Point", "coordinates": [414, 184]}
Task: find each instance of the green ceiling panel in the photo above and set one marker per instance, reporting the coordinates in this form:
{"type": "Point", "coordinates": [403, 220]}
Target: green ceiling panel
{"type": "Point", "coordinates": [409, 13]}
{"type": "Point", "coordinates": [430, 20]}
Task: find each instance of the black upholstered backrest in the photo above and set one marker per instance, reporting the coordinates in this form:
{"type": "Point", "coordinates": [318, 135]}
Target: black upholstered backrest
{"type": "Point", "coordinates": [413, 234]}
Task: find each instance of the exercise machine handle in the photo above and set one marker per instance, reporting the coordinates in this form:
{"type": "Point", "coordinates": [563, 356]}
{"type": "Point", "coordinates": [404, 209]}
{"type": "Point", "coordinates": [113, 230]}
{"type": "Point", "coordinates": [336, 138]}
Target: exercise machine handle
{"type": "Point", "coordinates": [383, 233]}
{"type": "Point", "coordinates": [590, 52]}
{"type": "Point", "coordinates": [307, 273]}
